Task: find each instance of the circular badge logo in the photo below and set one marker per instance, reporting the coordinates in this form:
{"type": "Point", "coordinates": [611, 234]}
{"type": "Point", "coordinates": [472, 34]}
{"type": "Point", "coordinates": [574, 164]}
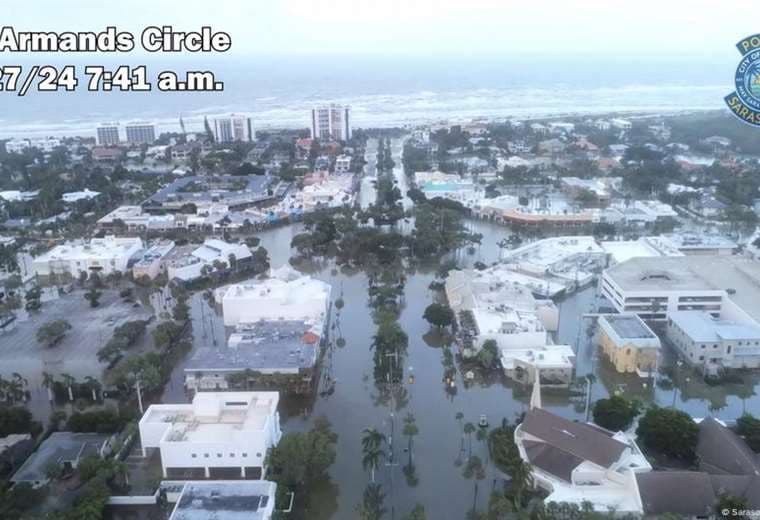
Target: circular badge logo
{"type": "Point", "coordinates": [745, 101]}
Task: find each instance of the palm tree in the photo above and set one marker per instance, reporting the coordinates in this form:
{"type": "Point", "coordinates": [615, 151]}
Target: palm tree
{"type": "Point", "coordinates": [410, 430]}
{"type": "Point", "coordinates": [371, 447]}
{"type": "Point", "coordinates": [522, 479]}
{"type": "Point", "coordinates": [48, 381]}
{"type": "Point", "coordinates": [68, 382]}
{"type": "Point", "coordinates": [371, 507]}
{"type": "Point", "coordinates": [460, 418]}
{"type": "Point", "coordinates": [469, 429]}
{"type": "Point", "coordinates": [94, 386]}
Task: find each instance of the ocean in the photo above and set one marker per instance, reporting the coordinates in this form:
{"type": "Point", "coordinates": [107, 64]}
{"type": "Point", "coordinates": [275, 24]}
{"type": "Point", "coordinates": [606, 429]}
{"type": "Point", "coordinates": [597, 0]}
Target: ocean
{"type": "Point", "coordinates": [383, 91]}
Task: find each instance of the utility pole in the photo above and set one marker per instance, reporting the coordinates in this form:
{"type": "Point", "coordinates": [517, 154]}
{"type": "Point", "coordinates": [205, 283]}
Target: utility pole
{"type": "Point", "coordinates": [139, 396]}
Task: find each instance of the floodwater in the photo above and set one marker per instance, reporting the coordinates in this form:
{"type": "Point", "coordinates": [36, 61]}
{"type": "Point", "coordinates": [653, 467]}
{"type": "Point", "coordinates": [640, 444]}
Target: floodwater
{"type": "Point", "coordinates": [357, 403]}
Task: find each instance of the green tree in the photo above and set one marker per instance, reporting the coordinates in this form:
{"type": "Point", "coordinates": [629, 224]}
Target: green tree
{"type": "Point", "coordinates": [731, 503]}
{"type": "Point", "coordinates": [371, 506]}
{"type": "Point", "coordinates": [418, 513]}
{"type": "Point", "coordinates": [372, 452]}
{"type": "Point", "coordinates": [93, 296]}
{"type": "Point", "coordinates": [410, 430]}
{"type": "Point", "coordinates": [302, 458]}
{"type": "Point", "coordinates": [616, 413]}
{"type": "Point", "coordinates": [669, 431]}
{"type": "Point", "coordinates": [749, 427]}
{"type": "Point", "coordinates": [469, 429]}
{"type": "Point", "coordinates": [52, 332]}
{"type": "Point", "coordinates": [438, 315]}
{"type": "Point", "coordinates": [488, 353]}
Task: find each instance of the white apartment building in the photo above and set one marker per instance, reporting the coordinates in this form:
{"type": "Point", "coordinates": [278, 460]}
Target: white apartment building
{"type": "Point", "coordinates": [712, 344]}
{"type": "Point", "coordinates": [286, 295]}
{"type": "Point", "coordinates": [108, 134]}
{"type": "Point", "coordinates": [191, 267]}
{"type": "Point", "coordinates": [101, 255]}
{"type": "Point", "coordinates": [140, 133]}
{"type": "Point", "coordinates": [219, 435]}
{"type": "Point", "coordinates": [46, 145]}
{"type": "Point", "coordinates": [724, 286]}
{"type": "Point", "coordinates": [331, 122]}
{"type": "Point", "coordinates": [233, 128]}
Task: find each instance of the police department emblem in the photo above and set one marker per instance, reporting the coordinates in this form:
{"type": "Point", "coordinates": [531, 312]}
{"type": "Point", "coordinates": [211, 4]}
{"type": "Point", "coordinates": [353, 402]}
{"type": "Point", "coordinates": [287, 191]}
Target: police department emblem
{"type": "Point", "coordinates": [745, 101]}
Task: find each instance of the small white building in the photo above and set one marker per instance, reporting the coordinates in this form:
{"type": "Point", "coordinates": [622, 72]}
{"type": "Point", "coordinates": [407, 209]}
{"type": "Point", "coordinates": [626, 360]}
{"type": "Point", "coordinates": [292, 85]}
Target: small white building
{"type": "Point", "coordinates": [191, 267]}
{"type": "Point", "coordinates": [76, 196]}
{"type": "Point", "coordinates": [152, 263]}
{"type": "Point", "coordinates": [219, 435]}
{"type": "Point", "coordinates": [101, 255]}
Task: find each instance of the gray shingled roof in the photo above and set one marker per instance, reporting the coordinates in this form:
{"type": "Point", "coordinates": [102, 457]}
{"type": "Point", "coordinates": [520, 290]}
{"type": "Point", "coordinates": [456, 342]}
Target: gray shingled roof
{"type": "Point", "coordinates": [552, 460]}
{"type": "Point", "coordinates": [680, 492]}
{"type": "Point", "coordinates": [721, 451]}
{"type": "Point", "coordinates": [577, 439]}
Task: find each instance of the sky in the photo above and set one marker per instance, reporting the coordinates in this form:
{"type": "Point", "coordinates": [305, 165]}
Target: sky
{"type": "Point", "coordinates": [655, 28]}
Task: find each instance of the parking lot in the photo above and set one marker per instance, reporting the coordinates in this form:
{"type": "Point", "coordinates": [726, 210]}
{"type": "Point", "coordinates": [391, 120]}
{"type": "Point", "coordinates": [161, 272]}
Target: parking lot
{"type": "Point", "coordinates": [76, 353]}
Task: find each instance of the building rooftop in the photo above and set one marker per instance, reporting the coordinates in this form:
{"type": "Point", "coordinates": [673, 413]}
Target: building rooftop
{"type": "Point", "coordinates": [232, 189]}
{"type": "Point", "coordinates": [60, 447]}
{"type": "Point", "coordinates": [737, 275]}
{"type": "Point", "coordinates": [263, 346]}
{"type": "Point", "coordinates": [700, 326]}
{"type": "Point", "coordinates": [108, 247]}
{"type": "Point", "coordinates": [582, 441]}
{"type": "Point", "coordinates": [230, 500]}
{"type": "Point", "coordinates": [214, 416]}
{"type": "Point", "coordinates": [629, 326]}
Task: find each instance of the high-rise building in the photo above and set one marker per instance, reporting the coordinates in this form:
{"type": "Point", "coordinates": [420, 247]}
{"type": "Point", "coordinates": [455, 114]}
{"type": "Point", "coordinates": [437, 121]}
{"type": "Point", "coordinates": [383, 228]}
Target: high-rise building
{"type": "Point", "coordinates": [108, 134]}
{"type": "Point", "coordinates": [140, 133]}
{"type": "Point", "coordinates": [331, 122]}
{"type": "Point", "coordinates": [233, 128]}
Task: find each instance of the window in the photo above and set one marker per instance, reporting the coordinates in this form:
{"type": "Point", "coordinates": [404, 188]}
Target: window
{"type": "Point", "coordinates": [728, 348]}
{"type": "Point", "coordinates": [258, 455]}
{"type": "Point", "coordinates": [205, 455]}
{"type": "Point", "coordinates": [244, 454]}
{"type": "Point", "coordinates": [219, 455]}
{"type": "Point", "coordinates": [701, 358]}
{"type": "Point", "coordinates": [195, 455]}
{"type": "Point", "coordinates": [232, 455]}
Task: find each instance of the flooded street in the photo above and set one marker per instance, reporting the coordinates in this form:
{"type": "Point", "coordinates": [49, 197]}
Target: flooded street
{"type": "Point", "coordinates": [357, 403]}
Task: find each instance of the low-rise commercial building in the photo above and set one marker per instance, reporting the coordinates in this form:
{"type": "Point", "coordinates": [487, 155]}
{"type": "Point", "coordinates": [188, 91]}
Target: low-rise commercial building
{"type": "Point", "coordinates": [629, 343]}
{"type": "Point", "coordinates": [255, 351]}
{"type": "Point", "coordinates": [100, 255]}
{"type": "Point", "coordinates": [285, 295]}
{"type": "Point", "coordinates": [713, 344]}
{"type": "Point", "coordinates": [226, 499]}
{"type": "Point", "coordinates": [213, 255]}
{"type": "Point", "coordinates": [219, 435]}
{"type": "Point", "coordinates": [152, 263]}
{"type": "Point", "coordinates": [724, 286]}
